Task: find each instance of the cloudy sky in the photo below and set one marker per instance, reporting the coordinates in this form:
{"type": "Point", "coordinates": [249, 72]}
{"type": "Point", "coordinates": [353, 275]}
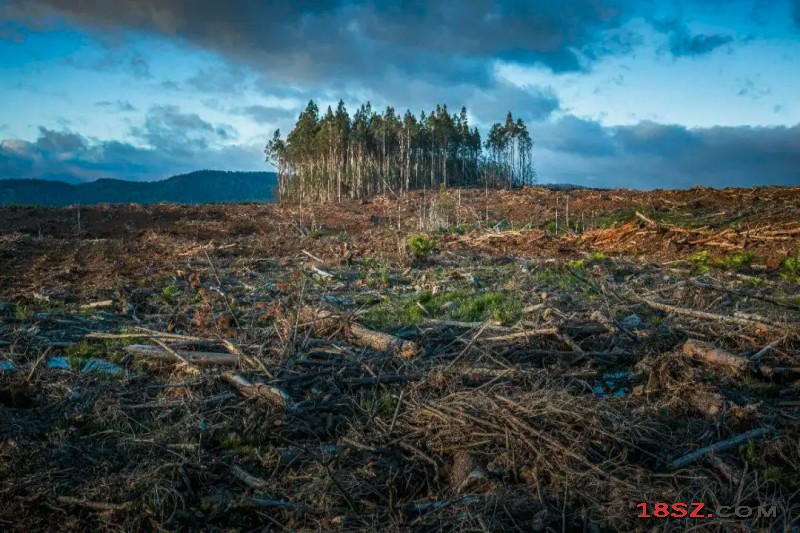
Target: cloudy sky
{"type": "Point", "coordinates": [620, 93]}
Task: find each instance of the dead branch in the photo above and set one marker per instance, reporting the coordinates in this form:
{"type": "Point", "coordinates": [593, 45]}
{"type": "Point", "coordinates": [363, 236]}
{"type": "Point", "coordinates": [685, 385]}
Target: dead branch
{"type": "Point", "coordinates": [258, 390]}
{"type": "Point", "coordinates": [196, 358]}
{"type": "Point", "coordinates": [667, 308]}
{"type": "Point", "coordinates": [358, 334]}
{"type": "Point", "coordinates": [721, 446]}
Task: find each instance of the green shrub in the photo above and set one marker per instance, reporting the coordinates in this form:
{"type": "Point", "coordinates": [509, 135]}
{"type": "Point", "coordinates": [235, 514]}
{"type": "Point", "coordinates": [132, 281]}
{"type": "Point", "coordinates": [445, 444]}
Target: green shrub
{"type": "Point", "coordinates": [169, 294]}
{"type": "Point", "coordinates": [420, 245]}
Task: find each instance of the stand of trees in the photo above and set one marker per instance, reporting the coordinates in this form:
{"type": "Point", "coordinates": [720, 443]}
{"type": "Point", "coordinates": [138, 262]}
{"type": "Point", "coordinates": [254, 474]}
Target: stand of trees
{"type": "Point", "coordinates": [335, 157]}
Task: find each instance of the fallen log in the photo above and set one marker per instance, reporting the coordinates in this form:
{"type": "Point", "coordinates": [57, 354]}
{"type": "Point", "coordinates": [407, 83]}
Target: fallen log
{"type": "Point", "coordinates": [249, 389]}
{"type": "Point", "coordinates": [328, 322]}
{"type": "Point", "coordinates": [523, 335]}
{"type": "Point", "coordinates": [97, 305]}
{"type": "Point", "coordinates": [720, 446]}
{"type": "Point", "coordinates": [382, 342]}
{"type": "Point", "coordinates": [195, 358]}
{"type": "Point", "coordinates": [708, 316]}
{"type": "Point", "coordinates": [706, 352]}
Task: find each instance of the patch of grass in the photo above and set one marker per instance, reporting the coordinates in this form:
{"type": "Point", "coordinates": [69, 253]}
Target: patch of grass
{"type": "Point", "coordinates": [700, 260]}
{"type": "Point", "coordinates": [169, 294]}
{"type": "Point", "coordinates": [420, 245]}
{"type": "Point", "coordinates": [76, 362]}
{"type": "Point", "coordinates": [735, 261]}
{"type": "Point", "coordinates": [790, 268]}
{"type": "Point", "coordinates": [577, 265]}
{"type": "Point", "coordinates": [342, 236]}
{"type": "Point", "coordinates": [464, 306]}
{"type": "Point", "coordinates": [595, 257]}
{"type": "Point", "coordinates": [318, 233]}
{"type": "Point", "coordinates": [235, 443]}
{"type": "Point", "coordinates": [377, 275]}
{"type": "Point", "coordinates": [616, 219]}
{"type": "Point", "coordinates": [383, 405]}
{"type": "Point", "coordinates": [100, 350]}
{"type": "Point", "coordinates": [556, 278]}
{"type": "Point", "coordinates": [23, 313]}
{"type": "Point", "coordinates": [453, 230]}
{"type": "Point", "coordinates": [750, 453]}
{"type": "Point", "coordinates": [85, 350]}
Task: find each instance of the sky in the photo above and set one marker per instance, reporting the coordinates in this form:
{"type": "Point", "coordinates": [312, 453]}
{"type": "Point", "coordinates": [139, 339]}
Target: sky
{"type": "Point", "coordinates": [616, 93]}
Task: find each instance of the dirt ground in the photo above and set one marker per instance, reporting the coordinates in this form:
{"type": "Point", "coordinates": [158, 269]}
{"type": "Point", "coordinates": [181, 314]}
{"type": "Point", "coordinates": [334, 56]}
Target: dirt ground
{"type": "Point", "coordinates": [466, 360]}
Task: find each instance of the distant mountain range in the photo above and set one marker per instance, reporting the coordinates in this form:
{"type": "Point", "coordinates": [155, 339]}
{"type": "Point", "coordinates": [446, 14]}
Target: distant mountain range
{"type": "Point", "coordinates": [203, 186]}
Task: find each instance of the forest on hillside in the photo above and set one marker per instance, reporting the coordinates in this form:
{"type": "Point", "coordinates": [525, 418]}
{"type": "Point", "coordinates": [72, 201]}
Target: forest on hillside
{"type": "Point", "coordinates": [334, 157]}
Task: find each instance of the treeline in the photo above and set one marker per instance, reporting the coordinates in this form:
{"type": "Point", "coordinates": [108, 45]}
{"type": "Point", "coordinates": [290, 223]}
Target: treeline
{"type": "Point", "coordinates": [335, 157]}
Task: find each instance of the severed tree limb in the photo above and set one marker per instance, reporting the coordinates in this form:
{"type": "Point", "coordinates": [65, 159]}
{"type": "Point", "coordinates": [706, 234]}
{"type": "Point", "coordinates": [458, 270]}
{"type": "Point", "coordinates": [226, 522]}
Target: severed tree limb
{"type": "Point", "coordinates": [648, 221]}
{"type": "Point", "coordinates": [707, 316]}
{"type": "Point", "coordinates": [249, 479]}
{"type": "Point", "coordinates": [721, 446]}
{"type": "Point", "coordinates": [188, 365]}
{"type": "Point", "coordinates": [357, 334]}
{"type": "Point", "coordinates": [523, 335]}
{"type": "Point", "coordinates": [195, 358]}
{"type": "Point", "coordinates": [97, 506]}
{"type": "Point", "coordinates": [249, 389]}
{"type": "Point", "coordinates": [382, 342]}
{"type": "Point", "coordinates": [756, 357]}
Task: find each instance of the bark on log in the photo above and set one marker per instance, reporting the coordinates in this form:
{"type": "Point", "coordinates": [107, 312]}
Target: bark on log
{"type": "Point", "coordinates": [195, 358]}
{"type": "Point", "coordinates": [707, 353]}
{"type": "Point", "coordinates": [327, 322]}
{"type": "Point", "coordinates": [382, 342]}
{"type": "Point", "coordinates": [249, 389]}
{"type": "Point", "coordinates": [762, 323]}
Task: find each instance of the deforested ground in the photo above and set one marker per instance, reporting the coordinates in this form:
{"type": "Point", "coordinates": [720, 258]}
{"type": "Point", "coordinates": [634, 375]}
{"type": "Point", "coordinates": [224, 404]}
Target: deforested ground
{"type": "Point", "coordinates": [531, 360]}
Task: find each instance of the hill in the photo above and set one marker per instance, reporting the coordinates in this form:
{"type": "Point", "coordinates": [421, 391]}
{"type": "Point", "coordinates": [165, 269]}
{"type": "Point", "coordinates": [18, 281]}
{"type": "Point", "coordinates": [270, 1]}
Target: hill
{"type": "Point", "coordinates": [204, 186]}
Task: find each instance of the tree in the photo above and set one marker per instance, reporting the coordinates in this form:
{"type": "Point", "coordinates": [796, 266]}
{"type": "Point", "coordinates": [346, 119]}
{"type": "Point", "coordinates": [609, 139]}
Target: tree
{"type": "Point", "coordinates": [334, 157]}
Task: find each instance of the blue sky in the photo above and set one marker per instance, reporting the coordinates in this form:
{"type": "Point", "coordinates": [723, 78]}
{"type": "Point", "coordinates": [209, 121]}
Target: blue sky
{"type": "Point", "coordinates": [617, 93]}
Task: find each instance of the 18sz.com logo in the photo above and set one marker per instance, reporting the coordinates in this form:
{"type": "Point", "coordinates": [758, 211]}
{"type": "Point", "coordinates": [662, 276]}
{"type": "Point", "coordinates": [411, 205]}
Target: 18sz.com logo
{"type": "Point", "coordinates": [698, 510]}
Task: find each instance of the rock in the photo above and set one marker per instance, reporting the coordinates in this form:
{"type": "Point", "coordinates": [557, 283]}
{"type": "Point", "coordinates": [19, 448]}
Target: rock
{"type": "Point", "coordinates": [632, 322]}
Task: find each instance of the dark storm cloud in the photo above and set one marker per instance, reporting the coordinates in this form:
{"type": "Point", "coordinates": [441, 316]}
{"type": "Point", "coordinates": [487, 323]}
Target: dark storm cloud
{"type": "Point", "coordinates": [70, 156]}
{"type": "Point", "coordinates": [650, 155]}
{"type": "Point", "coordinates": [309, 40]}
